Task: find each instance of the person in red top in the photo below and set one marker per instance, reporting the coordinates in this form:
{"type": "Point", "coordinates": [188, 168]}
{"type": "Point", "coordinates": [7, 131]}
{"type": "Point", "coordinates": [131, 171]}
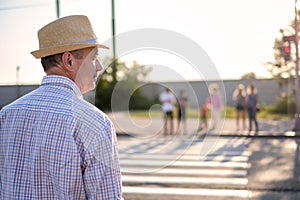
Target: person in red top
{"type": "Point", "coordinates": [203, 117]}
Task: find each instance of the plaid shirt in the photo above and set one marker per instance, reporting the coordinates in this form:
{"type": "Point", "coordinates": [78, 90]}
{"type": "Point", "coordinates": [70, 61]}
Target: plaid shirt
{"type": "Point", "coordinates": [55, 145]}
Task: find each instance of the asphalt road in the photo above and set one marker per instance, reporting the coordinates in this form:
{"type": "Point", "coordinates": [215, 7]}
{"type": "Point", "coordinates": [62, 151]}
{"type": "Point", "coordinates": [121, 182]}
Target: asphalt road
{"type": "Point", "coordinates": [220, 164]}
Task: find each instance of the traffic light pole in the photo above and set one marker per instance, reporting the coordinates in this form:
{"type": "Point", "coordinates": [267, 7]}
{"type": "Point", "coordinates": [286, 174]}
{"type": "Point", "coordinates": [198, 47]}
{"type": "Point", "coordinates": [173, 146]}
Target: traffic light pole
{"type": "Point", "coordinates": [57, 9]}
{"type": "Point", "coordinates": [114, 66]}
{"type": "Point", "coordinates": [297, 116]}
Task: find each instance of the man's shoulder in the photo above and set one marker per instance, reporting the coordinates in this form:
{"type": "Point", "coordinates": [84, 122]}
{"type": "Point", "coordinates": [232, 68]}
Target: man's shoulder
{"type": "Point", "coordinates": [84, 109]}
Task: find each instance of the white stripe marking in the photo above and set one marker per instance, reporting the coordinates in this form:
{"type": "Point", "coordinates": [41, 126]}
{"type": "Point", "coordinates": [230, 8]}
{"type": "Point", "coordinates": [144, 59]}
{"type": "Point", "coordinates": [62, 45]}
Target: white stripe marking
{"type": "Point", "coordinates": [187, 180]}
{"type": "Point", "coordinates": [179, 163]}
{"type": "Point", "coordinates": [184, 157]}
{"type": "Point", "coordinates": [177, 171]}
{"type": "Point", "coordinates": [187, 192]}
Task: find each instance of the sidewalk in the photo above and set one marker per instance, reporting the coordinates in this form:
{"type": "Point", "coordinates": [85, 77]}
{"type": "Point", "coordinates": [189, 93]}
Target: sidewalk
{"type": "Point", "coordinates": [267, 128]}
{"type": "Point", "coordinates": [152, 126]}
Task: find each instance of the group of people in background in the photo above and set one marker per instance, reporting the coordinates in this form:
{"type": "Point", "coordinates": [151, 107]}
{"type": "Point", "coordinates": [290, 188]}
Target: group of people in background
{"type": "Point", "coordinates": [245, 101]}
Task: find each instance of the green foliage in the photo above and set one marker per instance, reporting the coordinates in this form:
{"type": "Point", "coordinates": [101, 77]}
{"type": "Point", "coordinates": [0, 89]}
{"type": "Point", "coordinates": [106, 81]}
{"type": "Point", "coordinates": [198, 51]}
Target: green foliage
{"type": "Point", "coordinates": [250, 75]}
{"type": "Point", "coordinates": [103, 94]}
{"type": "Point", "coordinates": [285, 105]}
{"type": "Point", "coordinates": [266, 112]}
{"type": "Point", "coordinates": [140, 102]}
{"type": "Point", "coordinates": [105, 86]}
{"type": "Point", "coordinates": [229, 112]}
{"type": "Point", "coordinates": [283, 70]}
{"type": "Point", "coordinates": [128, 79]}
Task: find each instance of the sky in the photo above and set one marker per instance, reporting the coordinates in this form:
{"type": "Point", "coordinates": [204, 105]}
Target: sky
{"type": "Point", "coordinates": [237, 35]}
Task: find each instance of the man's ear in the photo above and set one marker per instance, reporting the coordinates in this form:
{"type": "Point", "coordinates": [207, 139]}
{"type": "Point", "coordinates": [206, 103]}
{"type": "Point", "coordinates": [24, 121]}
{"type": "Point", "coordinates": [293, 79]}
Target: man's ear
{"type": "Point", "coordinates": [67, 60]}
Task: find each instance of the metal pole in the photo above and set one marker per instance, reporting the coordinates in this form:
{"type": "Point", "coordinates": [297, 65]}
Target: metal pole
{"type": "Point", "coordinates": [297, 120]}
{"type": "Point", "coordinates": [114, 74]}
{"type": "Point", "coordinates": [113, 26]}
{"type": "Point", "coordinates": [17, 74]}
{"type": "Point", "coordinates": [17, 81]}
{"type": "Point", "coordinates": [57, 9]}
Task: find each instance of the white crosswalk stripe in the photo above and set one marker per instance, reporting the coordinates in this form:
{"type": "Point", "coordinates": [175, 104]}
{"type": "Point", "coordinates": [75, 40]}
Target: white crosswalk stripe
{"type": "Point", "coordinates": [177, 165]}
{"type": "Point", "coordinates": [187, 192]}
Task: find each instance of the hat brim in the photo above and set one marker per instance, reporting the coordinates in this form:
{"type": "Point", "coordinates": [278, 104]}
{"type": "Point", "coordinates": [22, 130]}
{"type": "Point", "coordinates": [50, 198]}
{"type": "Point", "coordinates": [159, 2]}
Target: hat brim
{"type": "Point", "coordinates": [60, 49]}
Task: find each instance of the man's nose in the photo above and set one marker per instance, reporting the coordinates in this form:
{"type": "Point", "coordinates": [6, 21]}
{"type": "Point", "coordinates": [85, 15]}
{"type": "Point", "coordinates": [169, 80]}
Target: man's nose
{"type": "Point", "coordinates": [99, 66]}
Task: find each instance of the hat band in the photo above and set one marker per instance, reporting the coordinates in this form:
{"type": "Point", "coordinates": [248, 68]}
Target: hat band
{"type": "Point", "coordinates": [90, 41]}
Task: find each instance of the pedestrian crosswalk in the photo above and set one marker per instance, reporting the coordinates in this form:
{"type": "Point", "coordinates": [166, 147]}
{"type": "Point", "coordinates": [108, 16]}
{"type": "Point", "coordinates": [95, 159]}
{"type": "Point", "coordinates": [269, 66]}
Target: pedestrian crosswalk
{"type": "Point", "coordinates": [175, 167]}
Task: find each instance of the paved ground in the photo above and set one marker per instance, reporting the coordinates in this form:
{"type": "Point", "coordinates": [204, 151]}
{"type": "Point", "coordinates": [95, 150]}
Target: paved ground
{"type": "Point", "coordinates": [273, 171]}
{"type": "Point", "coordinates": [144, 126]}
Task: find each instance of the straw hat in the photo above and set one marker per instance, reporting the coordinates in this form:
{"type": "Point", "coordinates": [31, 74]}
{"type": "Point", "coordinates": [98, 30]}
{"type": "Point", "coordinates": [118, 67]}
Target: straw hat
{"type": "Point", "coordinates": [66, 34]}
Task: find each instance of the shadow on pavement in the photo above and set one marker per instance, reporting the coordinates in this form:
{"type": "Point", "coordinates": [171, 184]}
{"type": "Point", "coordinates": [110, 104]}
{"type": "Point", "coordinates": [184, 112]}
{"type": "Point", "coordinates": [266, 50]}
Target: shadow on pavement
{"type": "Point", "coordinates": [274, 171]}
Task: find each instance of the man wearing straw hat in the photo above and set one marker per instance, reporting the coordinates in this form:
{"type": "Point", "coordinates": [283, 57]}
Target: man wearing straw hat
{"type": "Point", "coordinates": [53, 144]}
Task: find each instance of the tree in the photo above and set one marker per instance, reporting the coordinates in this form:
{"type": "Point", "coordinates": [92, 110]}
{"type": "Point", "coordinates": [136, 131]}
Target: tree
{"type": "Point", "coordinates": [250, 75]}
{"type": "Point", "coordinates": [106, 83]}
{"type": "Point", "coordinates": [283, 66]}
{"type": "Point", "coordinates": [128, 79]}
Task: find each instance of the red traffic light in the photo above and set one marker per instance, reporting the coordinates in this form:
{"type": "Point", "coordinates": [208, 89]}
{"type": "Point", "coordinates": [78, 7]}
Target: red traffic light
{"type": "Point", "coordinates": [287, 49]}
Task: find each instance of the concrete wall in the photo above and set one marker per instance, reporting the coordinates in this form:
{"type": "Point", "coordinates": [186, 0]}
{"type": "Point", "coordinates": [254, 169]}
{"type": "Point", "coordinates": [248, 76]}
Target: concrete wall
{"type": "Point", "coordinates": [9, 93]}
{"type": "Point", "coordinates": [197, 91]}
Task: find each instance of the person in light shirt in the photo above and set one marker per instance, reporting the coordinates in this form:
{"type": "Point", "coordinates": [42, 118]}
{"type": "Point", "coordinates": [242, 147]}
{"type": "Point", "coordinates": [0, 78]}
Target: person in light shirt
{"type": "Point", "coordinates": [167, 100]}
{"type": "Point", "coordinates": [214, 103]}
{"type": "Point", "coordinates": [53, 143]}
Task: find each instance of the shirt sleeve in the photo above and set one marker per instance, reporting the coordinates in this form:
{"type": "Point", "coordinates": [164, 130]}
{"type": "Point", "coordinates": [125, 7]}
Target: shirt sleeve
{"type": "Point", "coordinates": [96, 139]}
{"type": "Point", "coordinates": [101, 176]}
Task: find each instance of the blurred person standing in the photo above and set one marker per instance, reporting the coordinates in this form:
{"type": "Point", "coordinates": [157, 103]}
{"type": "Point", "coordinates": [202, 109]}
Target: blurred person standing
{"type": "Point", "coordinates": [181, 112]}
{"type": "Point", "coordinates": [167, 100]}
{"type": "Point", "coordinates": [252, 105]}
{"type": "Point", "coordinates": [54, 144]}
{"type": "Point", "coordinates": [203, 117]}
{"type": "Point", "coordinates": [239, 98]}
{"type": "Point", "coordinates": [214, 103]}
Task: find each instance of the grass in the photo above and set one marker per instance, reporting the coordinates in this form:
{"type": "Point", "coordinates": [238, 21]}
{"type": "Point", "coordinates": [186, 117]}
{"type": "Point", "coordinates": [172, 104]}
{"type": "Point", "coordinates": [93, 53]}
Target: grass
{"type": "Point", "coordinates": [264, 113]}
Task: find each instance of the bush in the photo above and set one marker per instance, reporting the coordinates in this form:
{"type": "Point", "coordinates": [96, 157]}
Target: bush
{"type": "Point", "coordinates": [285, 105]}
